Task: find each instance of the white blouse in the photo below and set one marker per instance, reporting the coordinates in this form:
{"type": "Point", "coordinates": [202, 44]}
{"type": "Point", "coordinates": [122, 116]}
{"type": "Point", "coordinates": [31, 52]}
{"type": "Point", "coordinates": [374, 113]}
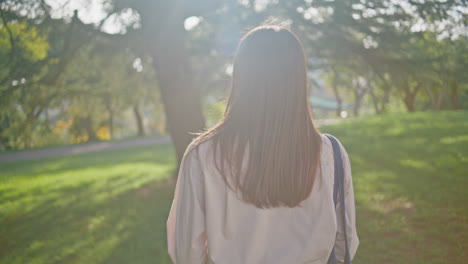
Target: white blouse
{"type": "Point", "coordinates": [209, 224]}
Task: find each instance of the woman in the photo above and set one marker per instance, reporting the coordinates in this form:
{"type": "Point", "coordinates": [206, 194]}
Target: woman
{"type": "Point", "coordinates": [258, 187]}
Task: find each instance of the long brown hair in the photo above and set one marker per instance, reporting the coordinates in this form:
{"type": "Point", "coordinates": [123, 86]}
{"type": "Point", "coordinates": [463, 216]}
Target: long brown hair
{"type": "Point", "coordinates": [268, 119]}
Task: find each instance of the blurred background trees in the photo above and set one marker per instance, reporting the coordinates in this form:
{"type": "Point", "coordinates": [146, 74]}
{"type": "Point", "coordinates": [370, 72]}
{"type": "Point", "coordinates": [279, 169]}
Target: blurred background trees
{"type": "Point", "coordinates": [120, 68]}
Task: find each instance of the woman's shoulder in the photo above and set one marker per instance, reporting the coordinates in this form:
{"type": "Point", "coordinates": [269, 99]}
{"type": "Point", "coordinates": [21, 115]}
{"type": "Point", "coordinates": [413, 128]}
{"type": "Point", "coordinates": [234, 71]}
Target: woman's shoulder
{"type": "Point", "coordinates": [327, 145]}
{"type": "Point", "coordinates": [326, 148]}
{"type": "Point", "coordinates": [327, 141]}
{"type": "Point", "coordinates": [198, 148]}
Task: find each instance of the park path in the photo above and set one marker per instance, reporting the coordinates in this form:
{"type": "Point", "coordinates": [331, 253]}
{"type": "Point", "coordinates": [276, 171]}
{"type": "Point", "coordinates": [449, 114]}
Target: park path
{"type": "Point", "coordinates": [79, 149]}
{"type": "Point", "coordinates": [103, 146]}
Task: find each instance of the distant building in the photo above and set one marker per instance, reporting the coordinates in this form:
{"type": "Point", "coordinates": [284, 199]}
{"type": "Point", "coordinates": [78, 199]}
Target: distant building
{"type": "Point", "coordinates": [323, 103]}
{"type": "Point", "coordinates": [325, 107]}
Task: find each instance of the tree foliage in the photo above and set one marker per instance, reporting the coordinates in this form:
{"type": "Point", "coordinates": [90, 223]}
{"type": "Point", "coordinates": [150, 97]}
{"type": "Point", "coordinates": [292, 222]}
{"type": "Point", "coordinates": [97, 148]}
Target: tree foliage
{"type": "Point", "coordinates": [58, 73]}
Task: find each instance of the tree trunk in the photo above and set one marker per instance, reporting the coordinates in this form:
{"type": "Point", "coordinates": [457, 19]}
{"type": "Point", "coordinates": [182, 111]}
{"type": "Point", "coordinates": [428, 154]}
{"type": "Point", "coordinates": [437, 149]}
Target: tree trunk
{"type": "Point", "coordinates": [430, 94]}
{"type": "Point", "coordinates": [385, 98]}
{"type": "Point", "coordinates": [359, 91]}
{"type": "Point", "coordinates": [375, 102]}
{"type": "Point", "coordinates": [358, 96]}
{"type": "Point", "coordinates": [5, 141]}
{"type": "Point", "coordinates": [111, 124]}
{"type": "Point", "coordinates": [410, 96]}
{"type": "Point", "coordinates": [32, 117]}
{"type": "Point", "coordinates": [110, 112]}
{"type": "Point", "coordinates": [440, 98]}
{"type": "Point", "coordinates": [88, 124]}
{"type": "Point", "coordinates": [380, 104]}
{"type": "Point", "coordinates": [139, 120]}
{"type": "Point", "coordinates": [410, 101]}
{"type": "Point", "coordinates": [454, 96]}
{"type": "Point", "coordinates": [339, 103]}
{"type": "Point", "coordinates": [27, 142]}
{"type": "Point", "coordinates": [182, 102]}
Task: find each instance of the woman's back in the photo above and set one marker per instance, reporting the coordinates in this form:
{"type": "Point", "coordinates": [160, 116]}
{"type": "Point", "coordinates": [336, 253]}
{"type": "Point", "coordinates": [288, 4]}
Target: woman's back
{"type": "Point", "coordinates": [257, 187]}
{"type": "Point", "coordinates": [237, 232]}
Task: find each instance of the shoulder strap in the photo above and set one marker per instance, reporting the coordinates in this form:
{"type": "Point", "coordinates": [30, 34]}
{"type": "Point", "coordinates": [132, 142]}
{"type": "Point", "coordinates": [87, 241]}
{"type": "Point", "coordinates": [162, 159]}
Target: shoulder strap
{"type": "Point", "coordinates": [338, 187]}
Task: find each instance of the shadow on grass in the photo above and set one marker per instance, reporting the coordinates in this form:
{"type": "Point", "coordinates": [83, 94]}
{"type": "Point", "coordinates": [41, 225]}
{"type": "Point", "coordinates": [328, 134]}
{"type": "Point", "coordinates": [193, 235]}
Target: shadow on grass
{"type": "Point", "coordinates": [128, 228]}
{"type": "Point", "coordinates": [410, 176]}
{"type": "Point", "coordinates": [108, 208]}
{"type": "Point", "coordinates": [111, 207]}
{"type": "Point", "coordinates": [152, 154]}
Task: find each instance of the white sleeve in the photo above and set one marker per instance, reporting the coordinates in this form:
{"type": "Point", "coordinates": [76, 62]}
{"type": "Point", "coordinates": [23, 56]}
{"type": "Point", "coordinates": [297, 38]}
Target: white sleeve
{"type": "Point", "coordinates": [353, 240]}
{"type": "Point", "coordinates": [186, 237]}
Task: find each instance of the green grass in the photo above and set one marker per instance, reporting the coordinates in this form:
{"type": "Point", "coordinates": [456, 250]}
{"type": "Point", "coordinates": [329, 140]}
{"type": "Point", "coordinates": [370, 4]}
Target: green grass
{"type": "Point", "coordinates": [410, 175]}
{"type": "Point", "coordinates": [108, 207]}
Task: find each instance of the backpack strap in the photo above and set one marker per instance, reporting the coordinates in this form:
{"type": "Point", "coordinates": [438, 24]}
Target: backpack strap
{"type": "Point", "coordinates": [338, 187]}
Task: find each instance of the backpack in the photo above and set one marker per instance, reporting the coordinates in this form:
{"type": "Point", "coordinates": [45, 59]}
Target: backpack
{"type": "Point", "coordinates": [338, 187]}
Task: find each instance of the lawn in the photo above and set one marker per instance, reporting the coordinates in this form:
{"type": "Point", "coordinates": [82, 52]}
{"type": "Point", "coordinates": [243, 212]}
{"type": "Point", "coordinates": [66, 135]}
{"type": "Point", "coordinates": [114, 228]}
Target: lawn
{"type": "Point", "coordinates": [410, 175]}
{"type": "Point", "coordinates": [108, 207]}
